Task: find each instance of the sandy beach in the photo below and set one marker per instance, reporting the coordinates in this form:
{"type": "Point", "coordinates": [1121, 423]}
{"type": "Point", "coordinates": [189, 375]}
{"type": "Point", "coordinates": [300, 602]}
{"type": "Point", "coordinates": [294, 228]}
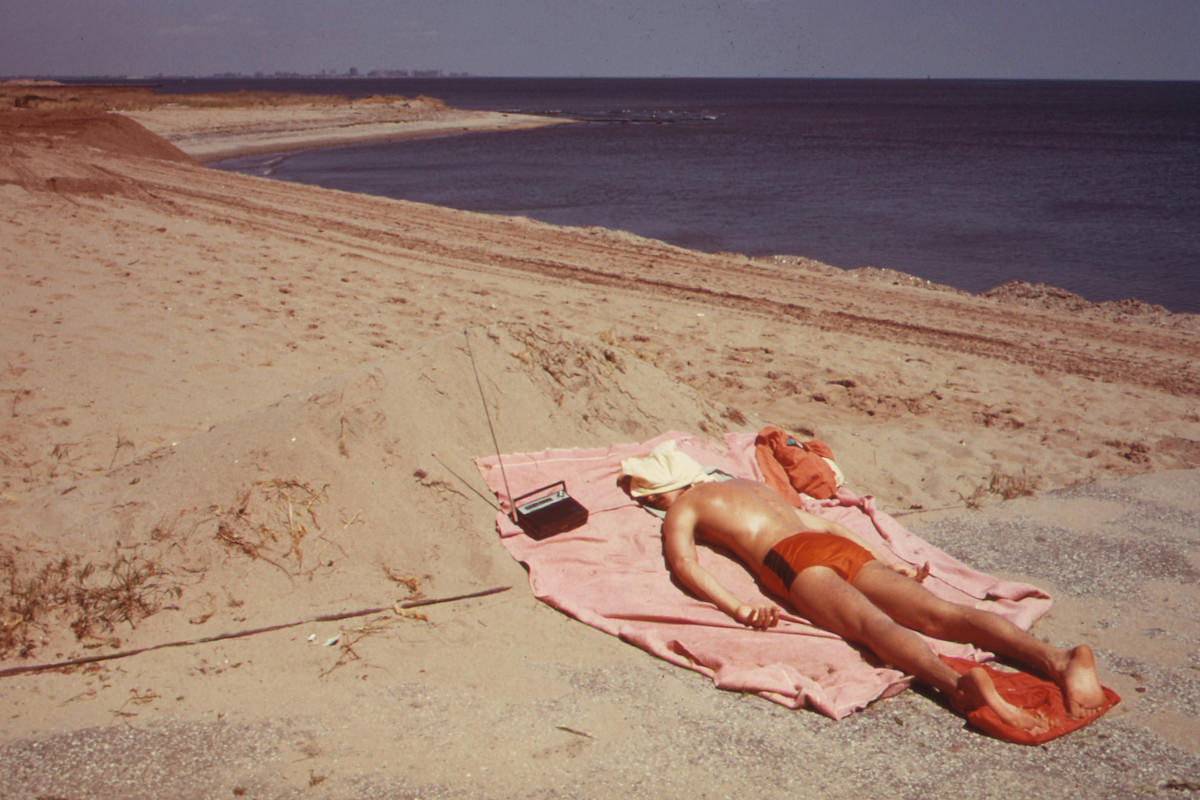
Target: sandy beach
{"type": "Point", "coordinates": [232, 402]}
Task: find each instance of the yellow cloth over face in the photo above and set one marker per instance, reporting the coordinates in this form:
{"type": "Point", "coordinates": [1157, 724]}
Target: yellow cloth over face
{"type": "Point", "coordinates": [666, 468]}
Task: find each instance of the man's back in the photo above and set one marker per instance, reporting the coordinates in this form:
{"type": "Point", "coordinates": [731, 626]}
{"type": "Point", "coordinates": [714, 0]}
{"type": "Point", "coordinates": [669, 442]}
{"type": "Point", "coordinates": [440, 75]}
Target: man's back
{"type": "Point", "coordinates": [745, 517]}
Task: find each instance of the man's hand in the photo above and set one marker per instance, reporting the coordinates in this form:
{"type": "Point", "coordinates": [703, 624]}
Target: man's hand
{"type": "Point", "coordinates": [909, 571]}
{"type": "Point", "coordinates": [760, 617]}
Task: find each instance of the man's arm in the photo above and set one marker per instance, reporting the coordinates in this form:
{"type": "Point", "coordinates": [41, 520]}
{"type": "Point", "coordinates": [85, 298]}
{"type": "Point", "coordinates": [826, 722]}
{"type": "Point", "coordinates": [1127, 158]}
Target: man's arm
{"type": "Point", "coordinates": [679, 546]}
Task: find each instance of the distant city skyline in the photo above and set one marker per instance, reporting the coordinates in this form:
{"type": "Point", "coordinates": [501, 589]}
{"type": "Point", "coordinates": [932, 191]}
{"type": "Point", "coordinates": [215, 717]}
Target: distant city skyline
{"type": "Point", "coordinates": [352, 72]}
{"type": "Point", "coordinates": [1067, 39]}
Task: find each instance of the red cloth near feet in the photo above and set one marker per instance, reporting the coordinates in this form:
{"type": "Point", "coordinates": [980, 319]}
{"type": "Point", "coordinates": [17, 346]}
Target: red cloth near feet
{"type": "Point", "coordinates": [1032, 693]}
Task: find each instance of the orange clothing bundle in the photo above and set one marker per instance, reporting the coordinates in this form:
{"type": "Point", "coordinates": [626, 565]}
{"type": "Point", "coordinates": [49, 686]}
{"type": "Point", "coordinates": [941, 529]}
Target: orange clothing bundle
{"type": "Point", "coordinates": [1032, 694]}
{"type": "Point", "coordinates": [792, 468]}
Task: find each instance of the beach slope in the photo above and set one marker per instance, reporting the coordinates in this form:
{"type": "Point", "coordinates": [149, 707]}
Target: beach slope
{"type": "Point", "coordinates": [232, 402]}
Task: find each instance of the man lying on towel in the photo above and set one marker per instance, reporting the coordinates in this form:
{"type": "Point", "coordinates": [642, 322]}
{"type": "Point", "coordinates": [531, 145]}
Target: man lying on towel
{"type": "Point", "coordinates": [834, 580]}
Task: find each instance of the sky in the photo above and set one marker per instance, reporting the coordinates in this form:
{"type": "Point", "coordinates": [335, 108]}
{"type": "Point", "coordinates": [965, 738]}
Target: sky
{"type": "Point", "coordinates": [1014, 39]}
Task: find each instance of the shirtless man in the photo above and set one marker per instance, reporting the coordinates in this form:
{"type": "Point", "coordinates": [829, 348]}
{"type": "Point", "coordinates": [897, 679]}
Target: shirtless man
{"type": "Point", "coordinates": [834, 580]}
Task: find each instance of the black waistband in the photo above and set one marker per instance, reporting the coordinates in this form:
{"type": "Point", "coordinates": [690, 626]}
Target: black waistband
{"type": "Point", "coordinates": [777, 564]}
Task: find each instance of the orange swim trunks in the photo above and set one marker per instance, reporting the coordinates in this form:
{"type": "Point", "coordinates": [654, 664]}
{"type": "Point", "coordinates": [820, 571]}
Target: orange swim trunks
{"type": "Point", "coordinates": [800, 551]}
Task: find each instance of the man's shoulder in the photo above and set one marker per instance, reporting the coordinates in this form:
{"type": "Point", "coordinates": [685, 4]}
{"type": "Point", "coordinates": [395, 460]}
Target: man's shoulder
{"type": "Point", "coordinates": [680, 510]}
{"type": "Point", "coordinates": [702, 493]}
{"type": "Point", "coordinates": [698, 498]}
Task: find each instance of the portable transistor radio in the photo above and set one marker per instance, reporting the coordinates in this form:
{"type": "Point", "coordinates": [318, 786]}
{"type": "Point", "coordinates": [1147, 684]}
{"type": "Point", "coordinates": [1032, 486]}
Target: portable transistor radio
{"type": "Point", "coordinates": [551, 510]}
{"type": "Point", "coordinates": [542, 512]}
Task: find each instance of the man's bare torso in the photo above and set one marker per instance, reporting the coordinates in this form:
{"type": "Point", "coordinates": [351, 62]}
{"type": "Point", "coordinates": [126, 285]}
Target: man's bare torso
{"type": "Point", "coordinates": [745, 517]}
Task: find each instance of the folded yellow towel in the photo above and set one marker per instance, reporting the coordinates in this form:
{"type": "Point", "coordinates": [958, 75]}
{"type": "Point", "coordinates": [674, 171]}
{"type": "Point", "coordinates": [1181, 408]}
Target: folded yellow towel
{"type": "Point", "coordinates": [666, 468]}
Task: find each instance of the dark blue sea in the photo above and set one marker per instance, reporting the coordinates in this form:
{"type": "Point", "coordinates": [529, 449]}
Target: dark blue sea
{"type": "Point", "coordinates": [1091, 186]}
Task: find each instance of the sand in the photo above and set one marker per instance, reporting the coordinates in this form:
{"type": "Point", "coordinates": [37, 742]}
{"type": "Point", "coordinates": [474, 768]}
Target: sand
{"type": "Point", "coordinates": [231, 402]}
{"type": "Point", "coordinates": [214, 127]}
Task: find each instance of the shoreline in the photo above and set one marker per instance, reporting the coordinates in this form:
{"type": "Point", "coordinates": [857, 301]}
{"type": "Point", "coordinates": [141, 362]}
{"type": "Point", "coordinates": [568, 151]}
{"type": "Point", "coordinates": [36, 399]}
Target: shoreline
{"type": "Point", "coordinates": [215, 127]}
{"type": "Point", "coordinates": [209, 143]}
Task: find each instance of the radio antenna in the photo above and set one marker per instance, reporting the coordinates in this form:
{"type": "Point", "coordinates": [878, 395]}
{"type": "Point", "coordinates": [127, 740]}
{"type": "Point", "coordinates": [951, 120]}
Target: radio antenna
{"type": "Point", "coordinates": [488, 416]}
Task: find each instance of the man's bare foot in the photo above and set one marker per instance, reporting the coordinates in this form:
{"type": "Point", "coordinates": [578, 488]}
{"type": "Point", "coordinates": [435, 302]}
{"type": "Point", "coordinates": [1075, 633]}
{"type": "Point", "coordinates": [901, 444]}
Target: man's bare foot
{"type": "Point", "coordinates": [1081, 686]}
{"type": "Point", "coordinates": [976, 689]}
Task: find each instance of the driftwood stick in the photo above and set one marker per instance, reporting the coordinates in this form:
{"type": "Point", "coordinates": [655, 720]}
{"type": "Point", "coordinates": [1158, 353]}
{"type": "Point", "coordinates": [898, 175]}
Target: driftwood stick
{"type": "Point", "coordinates": [362, 612]}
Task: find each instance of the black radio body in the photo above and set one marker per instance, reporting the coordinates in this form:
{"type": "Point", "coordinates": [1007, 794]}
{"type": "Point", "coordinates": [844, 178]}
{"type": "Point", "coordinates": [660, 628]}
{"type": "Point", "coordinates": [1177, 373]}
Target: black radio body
{"type": "Point", "coordinates": [547, 511]}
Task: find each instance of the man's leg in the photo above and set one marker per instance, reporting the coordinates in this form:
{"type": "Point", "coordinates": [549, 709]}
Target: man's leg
{"type": "Point", "coordinates": [913, 606]}
{"type": "Point", "coordinates": [821, 595]}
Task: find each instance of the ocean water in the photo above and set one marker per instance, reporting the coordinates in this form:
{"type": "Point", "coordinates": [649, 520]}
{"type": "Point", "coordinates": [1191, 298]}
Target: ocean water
{"type": "Point", "coordinates": [1091, 186]}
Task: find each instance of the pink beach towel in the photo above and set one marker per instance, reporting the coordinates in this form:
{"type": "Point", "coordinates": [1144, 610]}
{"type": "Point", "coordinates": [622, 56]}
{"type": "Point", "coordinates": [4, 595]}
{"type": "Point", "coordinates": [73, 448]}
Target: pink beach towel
{"type": "Point", "coordinates": [611, 574]}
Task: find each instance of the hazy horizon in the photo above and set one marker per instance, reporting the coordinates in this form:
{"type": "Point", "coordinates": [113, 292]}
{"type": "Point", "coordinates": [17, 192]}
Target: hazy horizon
{"type": "Point", "coordinates": [1131, 40]}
